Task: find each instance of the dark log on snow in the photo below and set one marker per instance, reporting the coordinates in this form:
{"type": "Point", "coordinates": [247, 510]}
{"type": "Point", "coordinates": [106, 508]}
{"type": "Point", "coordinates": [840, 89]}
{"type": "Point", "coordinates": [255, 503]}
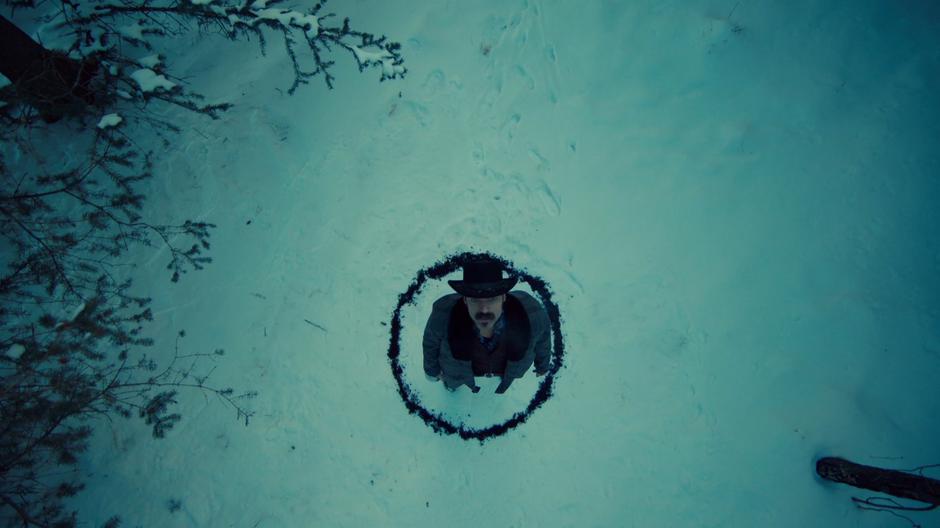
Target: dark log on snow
{"type": "Point", "coordinates": [890, 481]}
{"type": "Point", "coordinates": [48, 80]}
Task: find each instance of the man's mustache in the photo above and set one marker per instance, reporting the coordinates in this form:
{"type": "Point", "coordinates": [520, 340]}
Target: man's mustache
{"type": "Point", "coordinates": [484, 317]}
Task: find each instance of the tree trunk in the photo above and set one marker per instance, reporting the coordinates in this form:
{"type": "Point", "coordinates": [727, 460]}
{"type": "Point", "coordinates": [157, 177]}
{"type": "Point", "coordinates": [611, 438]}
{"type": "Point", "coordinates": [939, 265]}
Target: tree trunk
{"type": "Point", "coordinates": [48, 80]}
{"type": "Point", "coordinates": [890, 481]}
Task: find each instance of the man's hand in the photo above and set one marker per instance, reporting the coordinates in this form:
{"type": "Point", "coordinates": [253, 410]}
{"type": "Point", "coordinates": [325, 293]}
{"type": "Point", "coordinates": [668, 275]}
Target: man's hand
{"type": "Point", "coordinates": [540, 374]}
{"type": "Point", "coordinates": [432, 379]}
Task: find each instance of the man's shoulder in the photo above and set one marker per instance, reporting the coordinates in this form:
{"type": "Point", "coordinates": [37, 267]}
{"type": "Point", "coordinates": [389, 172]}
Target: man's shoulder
{"type": "Point", "coordinates": [533, 306]}
{"type": "Point", "coordinates": [530, 303]}
{"type": "Point", "coordinates": [446, 301]}
{"type": "Point", "coordinates": [522, 295]}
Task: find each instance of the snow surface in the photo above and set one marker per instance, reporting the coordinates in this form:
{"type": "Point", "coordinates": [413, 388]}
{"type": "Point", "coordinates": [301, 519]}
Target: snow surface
{"type": "Point", "coordinates": [133, 31]}
{"type": "Point", "coordinates": [737, 215]}
{"type": "Point", "coordinates": [94, 42]}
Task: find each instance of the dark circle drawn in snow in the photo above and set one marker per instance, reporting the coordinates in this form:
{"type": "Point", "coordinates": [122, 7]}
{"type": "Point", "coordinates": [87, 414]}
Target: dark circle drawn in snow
{"type": "Point", "coordinates": [437, 422]}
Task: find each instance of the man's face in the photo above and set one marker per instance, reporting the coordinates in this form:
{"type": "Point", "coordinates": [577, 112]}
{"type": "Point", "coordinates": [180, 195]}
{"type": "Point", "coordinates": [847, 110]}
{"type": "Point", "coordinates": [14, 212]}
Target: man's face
{"type": "Point", "coordinates": [485, 311]}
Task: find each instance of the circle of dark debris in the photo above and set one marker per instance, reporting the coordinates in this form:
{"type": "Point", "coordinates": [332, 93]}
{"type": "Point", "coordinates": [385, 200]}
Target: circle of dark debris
{"type": "Point", "coordinates": [434, 420]}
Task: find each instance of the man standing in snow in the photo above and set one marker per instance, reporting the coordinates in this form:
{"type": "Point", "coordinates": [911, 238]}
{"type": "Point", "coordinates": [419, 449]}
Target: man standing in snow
{"type": "Point", "coordinates": [485, 330]}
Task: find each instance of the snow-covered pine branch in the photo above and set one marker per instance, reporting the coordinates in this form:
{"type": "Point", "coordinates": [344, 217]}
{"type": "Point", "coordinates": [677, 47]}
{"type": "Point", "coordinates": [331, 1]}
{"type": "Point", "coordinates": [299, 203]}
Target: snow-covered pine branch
{"type": "Point", "coordinates": [68, 219]}
{"type": "Point", "coordinates": [92, 60]}
{"type": "Point", "coordinates": [97, 26]}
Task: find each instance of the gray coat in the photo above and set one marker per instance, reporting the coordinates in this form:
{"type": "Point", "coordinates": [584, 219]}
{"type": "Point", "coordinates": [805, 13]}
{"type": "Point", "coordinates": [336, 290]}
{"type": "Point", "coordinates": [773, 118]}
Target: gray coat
{"type": "Point", "coordinates": [527, 333]}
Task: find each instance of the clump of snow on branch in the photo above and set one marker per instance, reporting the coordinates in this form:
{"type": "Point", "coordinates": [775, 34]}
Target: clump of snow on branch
{"type": "Point", "coordinates": [110, 120]}
{"type": "Point", "coordinates": [150, 61]}
{"type": "Point", "coordinates": [309, 23]}
{"type": "Point", "coordinates": [150, 81]}
{"type": "Point", "coordinates": [15, 351]}
{"type": "Point", "coordinates": [381, 57]}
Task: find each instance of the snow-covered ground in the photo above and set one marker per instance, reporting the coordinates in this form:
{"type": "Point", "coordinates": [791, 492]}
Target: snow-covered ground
{"type": "Point", "coordinates": [737, 216]}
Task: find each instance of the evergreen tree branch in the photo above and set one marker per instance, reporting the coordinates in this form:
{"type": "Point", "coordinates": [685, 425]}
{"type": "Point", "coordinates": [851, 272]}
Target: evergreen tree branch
{"type": "Point", "coordinates": [63, 314]}
{"type": "Point", "coordinates": [24, 515]}
{"type": "Point", "coordinates": [60, 274]}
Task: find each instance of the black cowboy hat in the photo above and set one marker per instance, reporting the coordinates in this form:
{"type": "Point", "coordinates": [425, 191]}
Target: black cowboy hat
{"type": "Point", "coordinates": [483, 277]}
